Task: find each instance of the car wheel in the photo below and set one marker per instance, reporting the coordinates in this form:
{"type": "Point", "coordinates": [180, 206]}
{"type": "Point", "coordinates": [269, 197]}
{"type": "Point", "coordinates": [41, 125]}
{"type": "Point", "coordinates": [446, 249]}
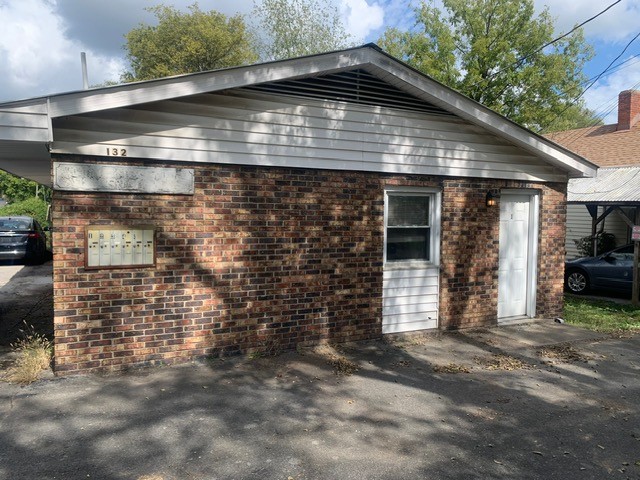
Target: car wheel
{"type": "Point", "coordinates": [577, 281]}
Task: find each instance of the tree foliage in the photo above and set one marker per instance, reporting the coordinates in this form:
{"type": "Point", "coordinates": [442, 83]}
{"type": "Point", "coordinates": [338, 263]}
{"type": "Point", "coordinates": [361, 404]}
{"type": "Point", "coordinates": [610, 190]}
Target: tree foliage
{"type": "Point", "coordinates": [189, 42]}
{"type": "Point", "coordinates": [491, 50]}
{"type": "Point", "coordinates": [32, 207]}
{"type": "Point", "coordinates": [16, 189]}
{"type": "Point", "coordinates": [293, 28]}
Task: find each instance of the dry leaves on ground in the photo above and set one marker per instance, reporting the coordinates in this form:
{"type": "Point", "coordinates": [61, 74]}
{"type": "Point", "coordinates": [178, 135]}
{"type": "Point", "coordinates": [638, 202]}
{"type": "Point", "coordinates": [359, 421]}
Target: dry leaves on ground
{"type": "Point", "coordinates": [563, 353]}
{"type": "Point", "coordinates": [451, 368]}
{"type": "Point", "coordinates": [501, 362]}
{"type": "Point", "coordinates": [341, 365]}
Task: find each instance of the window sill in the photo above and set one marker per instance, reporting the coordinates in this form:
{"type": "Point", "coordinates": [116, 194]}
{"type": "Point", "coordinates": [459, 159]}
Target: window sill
{"type": "Point", "coordinates": [409, 265]}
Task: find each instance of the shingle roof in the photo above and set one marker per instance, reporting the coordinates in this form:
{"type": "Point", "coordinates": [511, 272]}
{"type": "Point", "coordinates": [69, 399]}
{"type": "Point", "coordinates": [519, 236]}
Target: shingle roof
{"type": "Point", "coordinates": [619, 185]}
{"type": "Point", "coordinates": [603, 145]}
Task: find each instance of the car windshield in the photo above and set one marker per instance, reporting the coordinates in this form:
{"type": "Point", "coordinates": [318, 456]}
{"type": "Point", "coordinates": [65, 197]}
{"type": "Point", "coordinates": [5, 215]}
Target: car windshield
{"type": "Point", "coordinates": [14, 224]}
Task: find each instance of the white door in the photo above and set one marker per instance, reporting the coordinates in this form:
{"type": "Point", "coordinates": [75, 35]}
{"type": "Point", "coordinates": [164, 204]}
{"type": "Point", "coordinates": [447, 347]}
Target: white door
{"type": "Point", "coordinates": [516, 271]}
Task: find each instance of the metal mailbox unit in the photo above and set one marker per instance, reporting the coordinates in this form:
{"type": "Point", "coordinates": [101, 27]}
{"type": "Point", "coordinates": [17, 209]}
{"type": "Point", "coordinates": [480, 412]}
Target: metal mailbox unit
{"type": "Point", "coordinates": [120, 246]}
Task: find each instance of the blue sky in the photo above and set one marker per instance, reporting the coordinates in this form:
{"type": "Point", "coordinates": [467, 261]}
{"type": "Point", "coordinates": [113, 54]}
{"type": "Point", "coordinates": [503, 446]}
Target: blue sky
{"type": "Point", "coordinates": [41, 40]}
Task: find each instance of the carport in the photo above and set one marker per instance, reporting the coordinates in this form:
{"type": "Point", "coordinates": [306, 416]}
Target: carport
{"type": "Point", "coordinates": [615, 190]}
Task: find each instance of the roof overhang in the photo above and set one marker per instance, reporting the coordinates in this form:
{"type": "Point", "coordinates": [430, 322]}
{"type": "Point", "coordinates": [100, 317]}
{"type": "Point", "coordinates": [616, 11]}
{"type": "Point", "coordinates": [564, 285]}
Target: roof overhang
{"type": "Point", "coordinates": [25, 126]}
{"type": "Point", "coordinates": [611, 186]}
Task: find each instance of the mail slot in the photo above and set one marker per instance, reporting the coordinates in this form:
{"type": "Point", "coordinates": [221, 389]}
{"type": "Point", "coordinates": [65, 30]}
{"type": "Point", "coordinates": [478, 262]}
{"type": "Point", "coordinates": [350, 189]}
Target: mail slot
{"type": "Point", "coordinates": [120, 246]}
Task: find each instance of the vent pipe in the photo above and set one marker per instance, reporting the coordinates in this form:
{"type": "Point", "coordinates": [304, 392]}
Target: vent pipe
{"type": "Point", "coordinates": [85, 76]}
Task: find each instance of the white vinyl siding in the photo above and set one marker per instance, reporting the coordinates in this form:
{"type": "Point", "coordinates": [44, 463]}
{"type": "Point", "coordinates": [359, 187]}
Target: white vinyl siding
{"type": "Point", "coordinates": [579, 226]}
{"type": "Point", "coordinates": [24, 123]}
{"type": "Point", "coordinates": [255, 129]}
{"type": "Point", "coordinates": [410, 299]}
{"type": "Point", "coordinates": [410, 288]}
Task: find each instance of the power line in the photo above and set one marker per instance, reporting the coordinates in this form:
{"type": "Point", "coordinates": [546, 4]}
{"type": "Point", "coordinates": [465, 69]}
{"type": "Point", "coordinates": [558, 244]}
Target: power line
{"type": "Point", "coordinates": [522, 59]}
{"type": "Point", "coordinates": [573, 102]}
{"type": "Point", "coordinates": [606, 107]}
{"type": "Point", "coordinates": [566, 34]}
{"type": "Point", "coordinates": [616, 68]}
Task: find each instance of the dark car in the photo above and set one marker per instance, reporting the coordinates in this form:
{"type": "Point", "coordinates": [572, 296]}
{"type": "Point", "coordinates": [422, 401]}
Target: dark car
{"type": "Point", "coordinates": [22, 239]}
{"type": "Point", "coordinates": [610, 271]}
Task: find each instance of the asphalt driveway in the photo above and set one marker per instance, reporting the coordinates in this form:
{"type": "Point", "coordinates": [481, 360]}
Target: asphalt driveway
{"type": "Point", "coordinates": [487, 404]}
{"type": "Point", "coordinates": [26, 295]}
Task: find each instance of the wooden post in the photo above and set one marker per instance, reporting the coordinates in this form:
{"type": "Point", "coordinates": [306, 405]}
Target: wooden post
{"type": "Point", "coordinates": [635, 293]}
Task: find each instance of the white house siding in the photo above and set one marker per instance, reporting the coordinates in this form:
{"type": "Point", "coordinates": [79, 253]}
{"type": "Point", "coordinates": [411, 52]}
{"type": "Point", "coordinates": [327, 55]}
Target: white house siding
{"type": "Point", "coordinates": [247, 128]}
{"type": "Point", "coordinates": [24, 123]}
{"type": "Point", "coordinates": [410, 299]}
{"type": "Point", "coordinates": [579, 226]}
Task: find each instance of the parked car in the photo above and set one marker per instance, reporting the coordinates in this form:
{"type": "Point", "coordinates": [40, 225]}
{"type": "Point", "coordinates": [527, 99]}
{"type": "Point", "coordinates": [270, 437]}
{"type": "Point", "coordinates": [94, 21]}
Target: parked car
{"type": "Point", "coordinates": [610, 271]}
{"type": "Point", "coordinates": [22, 239]}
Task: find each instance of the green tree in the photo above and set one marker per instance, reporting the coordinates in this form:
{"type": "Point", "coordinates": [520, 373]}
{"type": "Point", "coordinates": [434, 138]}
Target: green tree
{"type": "Point", "coordinates": [32, 207]}
{"type": "Point", "coordinates": [187, 42]}
{"type": "Point", "coordinates": [16, 189]}
{"type": "Point", "coordinates": [293, 28]}
{"type": "Point", "coordinates": [493, 52]}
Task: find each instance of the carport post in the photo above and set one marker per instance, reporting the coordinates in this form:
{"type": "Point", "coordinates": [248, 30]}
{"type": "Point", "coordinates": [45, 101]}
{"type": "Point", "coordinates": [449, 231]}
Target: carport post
{"type": "Point", "coordinates": [636, 256]}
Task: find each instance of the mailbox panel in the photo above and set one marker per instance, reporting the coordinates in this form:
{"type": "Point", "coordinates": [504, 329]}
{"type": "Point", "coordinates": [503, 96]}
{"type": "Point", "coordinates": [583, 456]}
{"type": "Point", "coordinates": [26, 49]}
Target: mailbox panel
{"type": "Point", "coordinates": [109, 246]}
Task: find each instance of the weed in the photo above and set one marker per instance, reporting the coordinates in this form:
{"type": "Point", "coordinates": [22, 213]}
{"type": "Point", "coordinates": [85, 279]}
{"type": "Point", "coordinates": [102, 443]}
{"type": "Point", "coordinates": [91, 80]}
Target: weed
{"type": "Point", "coordinates": [34, 354]}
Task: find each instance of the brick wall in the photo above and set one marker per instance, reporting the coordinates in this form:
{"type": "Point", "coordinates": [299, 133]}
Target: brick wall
{"type": "Point", "coordinates": [470, 251]}
{"type": "Point", "coordinates": [262, 259]}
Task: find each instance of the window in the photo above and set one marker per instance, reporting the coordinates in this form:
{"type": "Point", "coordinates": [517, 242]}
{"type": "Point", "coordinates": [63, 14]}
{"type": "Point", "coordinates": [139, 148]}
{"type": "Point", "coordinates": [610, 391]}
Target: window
{"type": "Point", "coordinates": [410, 226]}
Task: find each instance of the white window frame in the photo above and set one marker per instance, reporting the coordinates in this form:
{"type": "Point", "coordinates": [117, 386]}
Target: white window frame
{"type": "Point", "coordinates": [435, 200]}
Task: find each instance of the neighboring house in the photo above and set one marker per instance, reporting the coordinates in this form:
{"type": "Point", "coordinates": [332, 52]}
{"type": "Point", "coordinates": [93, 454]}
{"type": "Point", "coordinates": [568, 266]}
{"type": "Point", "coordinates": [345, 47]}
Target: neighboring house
{"type": "Point", "coordinates": [334, 197]}
{"type": "Point", "coordinates": [610, 147]}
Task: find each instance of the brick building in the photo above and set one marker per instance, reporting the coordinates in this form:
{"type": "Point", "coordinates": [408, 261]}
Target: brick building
{"type": "Point", "coordinates": [335, 197]}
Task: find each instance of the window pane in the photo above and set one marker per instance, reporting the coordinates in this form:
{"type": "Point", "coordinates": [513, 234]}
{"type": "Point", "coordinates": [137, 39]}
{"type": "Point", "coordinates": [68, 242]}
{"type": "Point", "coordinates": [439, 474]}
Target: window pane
{"type": "Point", "coordinates": [408, 243]}
{"type": "Point", "coordinates": [408, 211]}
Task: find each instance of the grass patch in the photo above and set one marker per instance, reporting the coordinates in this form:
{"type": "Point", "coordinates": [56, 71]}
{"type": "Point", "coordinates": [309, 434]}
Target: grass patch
{"type": "Point", "coordinates": [34, 353]}
{"type": "Point", "coordinates": [601, 315]}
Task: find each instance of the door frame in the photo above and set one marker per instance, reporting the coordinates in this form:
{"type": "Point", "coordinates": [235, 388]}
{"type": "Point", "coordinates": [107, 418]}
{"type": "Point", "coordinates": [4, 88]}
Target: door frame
{"type": "Point", "coordinates": [532, 250]}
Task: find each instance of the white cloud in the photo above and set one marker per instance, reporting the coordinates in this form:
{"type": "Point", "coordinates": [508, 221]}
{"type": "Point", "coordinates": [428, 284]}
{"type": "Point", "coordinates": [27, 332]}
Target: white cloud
{"type": "Point", "coordinates": [603, 96]}
{"type": "Point", "coordinates": [361, 18]}
{"type": "Point", "coordinates": [31, 42]}
{"type": "Point", "coordinates": [38, 58]}
{"type": "Point", "coordinates": [616, 25]}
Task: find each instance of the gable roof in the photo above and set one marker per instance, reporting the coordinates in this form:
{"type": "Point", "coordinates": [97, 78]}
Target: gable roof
{"type": "Point", "coordinates": [26, 127]}
{"type": "Point", "coordinates": [603, 145]}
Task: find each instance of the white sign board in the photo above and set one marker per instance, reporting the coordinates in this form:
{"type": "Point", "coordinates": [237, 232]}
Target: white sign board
{"type": "Point", "coordinates": [635, 233]}
{"type": "Point", "coordinates": [89, 177]}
